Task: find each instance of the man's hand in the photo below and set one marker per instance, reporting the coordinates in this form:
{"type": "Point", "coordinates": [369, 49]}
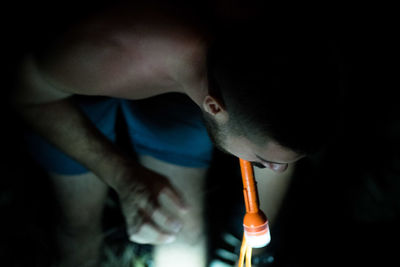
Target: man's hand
{"type": "Point", "coordinates": [150, 204]}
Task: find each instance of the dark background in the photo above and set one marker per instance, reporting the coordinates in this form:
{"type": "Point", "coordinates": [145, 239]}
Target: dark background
{"type": "Point", "coordinates": [344, 204]}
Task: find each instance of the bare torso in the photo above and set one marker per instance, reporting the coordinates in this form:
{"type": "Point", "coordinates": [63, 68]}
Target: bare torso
{"type": "Point", "coordinates": [128, 54]}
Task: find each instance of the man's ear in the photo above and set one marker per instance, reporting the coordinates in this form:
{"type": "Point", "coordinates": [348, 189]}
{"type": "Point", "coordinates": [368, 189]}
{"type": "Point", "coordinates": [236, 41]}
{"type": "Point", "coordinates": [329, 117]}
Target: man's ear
{"type": "Point", "coordinates": [213, 107]}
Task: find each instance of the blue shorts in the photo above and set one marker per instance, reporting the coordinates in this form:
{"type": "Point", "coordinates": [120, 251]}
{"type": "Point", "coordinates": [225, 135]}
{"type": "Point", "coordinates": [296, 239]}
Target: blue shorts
{"type": "Point", "coordinates": [168, 127]}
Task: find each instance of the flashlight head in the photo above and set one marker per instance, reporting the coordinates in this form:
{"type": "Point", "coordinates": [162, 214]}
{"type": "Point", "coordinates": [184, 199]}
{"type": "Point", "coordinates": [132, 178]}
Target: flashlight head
{"type": "Point", "coordinates": [256, 229]}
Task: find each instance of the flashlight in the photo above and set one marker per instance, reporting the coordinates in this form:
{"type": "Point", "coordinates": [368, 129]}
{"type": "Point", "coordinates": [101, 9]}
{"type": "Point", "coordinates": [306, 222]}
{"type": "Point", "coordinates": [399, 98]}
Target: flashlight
{"type": "Point", "coordinates": [255, 223]}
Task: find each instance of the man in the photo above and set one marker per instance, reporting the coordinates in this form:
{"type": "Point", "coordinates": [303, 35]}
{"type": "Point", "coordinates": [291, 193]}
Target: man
{"type": "Point", "coordinates": [136, 54]}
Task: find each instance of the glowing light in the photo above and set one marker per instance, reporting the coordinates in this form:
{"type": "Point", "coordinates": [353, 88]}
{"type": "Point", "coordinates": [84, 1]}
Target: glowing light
{"type": "Point", "coordinates": [258, 241]}
{"type": "Point", "coordinates": [255, 223]}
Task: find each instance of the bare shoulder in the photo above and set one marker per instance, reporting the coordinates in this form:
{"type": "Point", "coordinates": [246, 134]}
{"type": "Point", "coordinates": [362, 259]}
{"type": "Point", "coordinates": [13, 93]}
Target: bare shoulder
{"type": "Point", "coordinates": [125, 53]}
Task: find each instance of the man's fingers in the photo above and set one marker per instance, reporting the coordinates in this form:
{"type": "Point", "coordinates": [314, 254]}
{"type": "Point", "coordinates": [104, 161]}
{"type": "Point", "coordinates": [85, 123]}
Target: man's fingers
{"type": "Point", "coordinates": [166, 220]}
{"type": "Point", "coordinates": [162, 213]}
{"type": "Point", "coordinates": [157, 227]}
{"type": "Point", "coordinates": [170, 196]}
{"type": "Point", "coordinates": [150, 234]}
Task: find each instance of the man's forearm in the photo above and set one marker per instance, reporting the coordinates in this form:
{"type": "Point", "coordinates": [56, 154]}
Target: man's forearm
{"type": "Point", "coordinates": [66, 127]}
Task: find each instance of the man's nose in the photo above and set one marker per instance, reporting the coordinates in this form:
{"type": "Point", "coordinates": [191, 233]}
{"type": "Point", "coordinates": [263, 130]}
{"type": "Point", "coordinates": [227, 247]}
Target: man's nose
{"type": "Point", "coordinates": [276, 167]}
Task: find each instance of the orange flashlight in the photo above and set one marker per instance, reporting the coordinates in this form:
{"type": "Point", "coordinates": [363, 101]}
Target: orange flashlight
{"type": "Point", "coordinates": [255, 223]}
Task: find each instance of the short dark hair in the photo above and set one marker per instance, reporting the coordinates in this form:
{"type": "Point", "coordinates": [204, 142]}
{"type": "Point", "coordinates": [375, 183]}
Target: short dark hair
{"type": "Point", "coordinates": [281, 84]}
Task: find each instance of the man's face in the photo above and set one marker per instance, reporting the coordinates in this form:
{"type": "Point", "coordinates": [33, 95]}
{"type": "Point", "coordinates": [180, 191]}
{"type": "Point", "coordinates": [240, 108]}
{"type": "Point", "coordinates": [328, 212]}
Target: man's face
{"type": "Point", "coordinates": [269, 155]}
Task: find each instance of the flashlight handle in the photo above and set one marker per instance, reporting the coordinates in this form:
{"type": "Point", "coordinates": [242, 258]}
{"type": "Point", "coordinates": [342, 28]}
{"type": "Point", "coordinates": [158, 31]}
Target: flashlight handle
{"type": "Point", "coordinates": [249, 187]}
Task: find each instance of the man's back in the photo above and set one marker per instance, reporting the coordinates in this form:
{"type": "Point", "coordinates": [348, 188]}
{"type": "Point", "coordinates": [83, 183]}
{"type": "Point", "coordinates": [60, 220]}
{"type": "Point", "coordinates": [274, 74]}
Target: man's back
{"type": "Point", "coordinates": [125, 53]}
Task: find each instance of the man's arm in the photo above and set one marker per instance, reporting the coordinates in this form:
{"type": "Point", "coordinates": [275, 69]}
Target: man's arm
{"type": "Point", "coordinates": [109, 56]}
{"type": "Point", "coordinates": [54, 116]}
{"type": "Point", "coordinates": [272, 188]}
{"type": "Point", "coordinates": [103, 65]}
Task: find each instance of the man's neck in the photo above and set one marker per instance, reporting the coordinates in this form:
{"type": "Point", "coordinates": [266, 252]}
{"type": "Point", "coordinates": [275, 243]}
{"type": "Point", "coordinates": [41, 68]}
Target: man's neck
{"type": "Point", "coordinates": [197, 91]}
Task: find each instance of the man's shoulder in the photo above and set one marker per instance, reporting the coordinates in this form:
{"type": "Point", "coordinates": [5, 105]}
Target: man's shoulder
{"type": "Point", "coordinates": [162, 43]}
{"type": "Point", "coordinates": [122, 50]}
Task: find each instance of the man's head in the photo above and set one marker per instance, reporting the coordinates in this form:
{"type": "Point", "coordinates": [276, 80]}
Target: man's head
{"type": "Point", "coordinates": [270, 94]}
